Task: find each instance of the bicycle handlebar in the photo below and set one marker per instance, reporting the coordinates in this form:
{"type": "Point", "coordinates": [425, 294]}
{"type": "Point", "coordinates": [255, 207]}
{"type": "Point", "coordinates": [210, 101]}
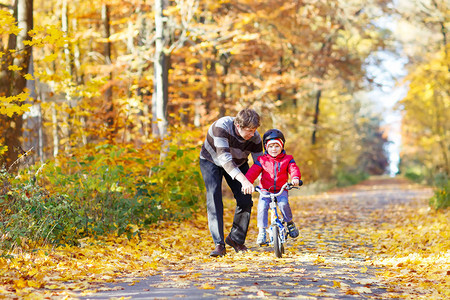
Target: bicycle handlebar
{"type": "Point", "coordinates": [287, 186]}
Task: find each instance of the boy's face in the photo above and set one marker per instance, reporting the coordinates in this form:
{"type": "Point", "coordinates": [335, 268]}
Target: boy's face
{"type": "Point", "coordinates": [274, 149]}
{"type": "Point", "coordinates": [245, 132]}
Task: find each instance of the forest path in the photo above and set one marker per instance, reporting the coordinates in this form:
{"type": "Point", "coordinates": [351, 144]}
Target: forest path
{"type": "Point", "coordinates": [331, 259]}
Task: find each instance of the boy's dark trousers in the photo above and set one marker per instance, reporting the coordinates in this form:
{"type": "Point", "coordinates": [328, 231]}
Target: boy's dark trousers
{"type": "Point", "coordinates": [212, 175]}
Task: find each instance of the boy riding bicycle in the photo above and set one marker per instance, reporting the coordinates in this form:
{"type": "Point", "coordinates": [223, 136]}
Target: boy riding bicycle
{"type": "Point", "coordinates": [276, 168]}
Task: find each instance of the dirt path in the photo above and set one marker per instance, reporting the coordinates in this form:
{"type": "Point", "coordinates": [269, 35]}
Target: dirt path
{"type": "Point", "coordinates": [331, 259]}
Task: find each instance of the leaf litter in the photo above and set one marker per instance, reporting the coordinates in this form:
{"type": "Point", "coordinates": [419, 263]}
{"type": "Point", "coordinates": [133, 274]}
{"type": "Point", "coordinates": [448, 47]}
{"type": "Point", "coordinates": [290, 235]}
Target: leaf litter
{"type": "Point", "coordinates": [372, 240]}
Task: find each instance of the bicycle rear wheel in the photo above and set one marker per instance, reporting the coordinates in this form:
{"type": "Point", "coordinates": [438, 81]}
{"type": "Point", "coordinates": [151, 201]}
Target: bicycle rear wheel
{"type": "Point", "coordinates": [276, 241]}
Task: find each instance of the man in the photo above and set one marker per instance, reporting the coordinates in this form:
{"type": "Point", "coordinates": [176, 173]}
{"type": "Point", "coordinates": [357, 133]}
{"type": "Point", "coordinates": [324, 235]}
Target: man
{"type": "Point", "coordinates": [225, 153]}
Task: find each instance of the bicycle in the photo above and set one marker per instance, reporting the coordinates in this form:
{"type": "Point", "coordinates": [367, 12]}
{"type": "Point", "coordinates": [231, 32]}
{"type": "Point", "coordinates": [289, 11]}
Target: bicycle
{"type": "Point", "coordinates": [277, 231]}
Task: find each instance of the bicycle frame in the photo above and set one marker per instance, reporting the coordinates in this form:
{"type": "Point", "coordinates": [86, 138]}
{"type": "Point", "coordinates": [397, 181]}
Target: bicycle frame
{"type": "Point", "coordinates": [276, 220]}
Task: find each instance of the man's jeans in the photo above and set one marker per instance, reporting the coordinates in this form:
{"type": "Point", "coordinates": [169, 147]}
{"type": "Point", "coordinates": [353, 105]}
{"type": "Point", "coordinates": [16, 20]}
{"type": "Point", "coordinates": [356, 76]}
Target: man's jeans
{"type": "Point", "coordinates": [212, 175]}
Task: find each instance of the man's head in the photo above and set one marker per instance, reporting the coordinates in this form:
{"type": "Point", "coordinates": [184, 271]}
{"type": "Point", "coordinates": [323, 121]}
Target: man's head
{"type": "Point", "coordinates": [247, 121]}
{"type": "Point", "coordinates": [247, 118]}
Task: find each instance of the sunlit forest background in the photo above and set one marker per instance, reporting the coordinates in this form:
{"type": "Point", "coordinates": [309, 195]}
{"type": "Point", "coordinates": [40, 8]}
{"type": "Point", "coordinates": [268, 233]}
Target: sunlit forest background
{"type": "Point", "coordinates": [105, 104]}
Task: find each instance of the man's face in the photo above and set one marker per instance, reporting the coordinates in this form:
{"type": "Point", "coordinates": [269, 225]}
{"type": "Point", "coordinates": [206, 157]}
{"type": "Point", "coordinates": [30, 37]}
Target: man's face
{"type": "Point", "coordinates": [245, 133]}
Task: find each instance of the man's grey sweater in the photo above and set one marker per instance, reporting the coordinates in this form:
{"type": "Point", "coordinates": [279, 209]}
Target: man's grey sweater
{"type": "Point", "coordinates": [225, 148]}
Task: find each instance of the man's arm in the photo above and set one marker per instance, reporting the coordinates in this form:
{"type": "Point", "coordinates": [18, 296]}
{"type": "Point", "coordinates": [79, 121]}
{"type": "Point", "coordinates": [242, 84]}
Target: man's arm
{"type": "Point", "coordinates": [247, 186]}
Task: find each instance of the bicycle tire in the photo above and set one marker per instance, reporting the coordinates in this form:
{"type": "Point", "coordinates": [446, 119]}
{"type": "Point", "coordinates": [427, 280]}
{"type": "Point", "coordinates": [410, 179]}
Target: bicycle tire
{"type": "Point", "coordinates": [276, 241]}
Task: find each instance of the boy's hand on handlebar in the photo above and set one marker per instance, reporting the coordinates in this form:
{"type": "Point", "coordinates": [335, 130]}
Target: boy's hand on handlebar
{"type": "Point", "coordinates": [295, 182]}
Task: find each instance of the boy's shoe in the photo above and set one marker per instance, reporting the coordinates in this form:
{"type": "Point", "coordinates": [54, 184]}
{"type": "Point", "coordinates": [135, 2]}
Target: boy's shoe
{"type": "Point", "coordinates": [219, 251]}
{"type": "Point", "coordinates": [292, 230]}
{"type": "Point", "coordinates": [237, 247]}
{"type": "Point", "coordinates": [261, 240]}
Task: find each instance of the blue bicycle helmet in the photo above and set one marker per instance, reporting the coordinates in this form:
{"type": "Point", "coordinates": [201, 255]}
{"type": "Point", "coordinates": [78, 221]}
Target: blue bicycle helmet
{"type": "Point", "coordinates": [272, 134]}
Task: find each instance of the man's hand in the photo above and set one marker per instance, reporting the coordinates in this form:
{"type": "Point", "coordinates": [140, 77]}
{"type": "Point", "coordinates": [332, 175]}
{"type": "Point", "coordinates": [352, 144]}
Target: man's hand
{"type": "Point", "coordinates": [295, 181]}
{"type": "Point", "coordinates": [247, 186]}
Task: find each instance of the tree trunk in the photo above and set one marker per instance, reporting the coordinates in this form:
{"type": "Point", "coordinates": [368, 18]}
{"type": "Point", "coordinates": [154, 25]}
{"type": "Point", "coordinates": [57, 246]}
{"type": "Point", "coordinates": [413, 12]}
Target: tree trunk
{"type": "Point", "coordinates": [78, 78]}
{"type": "Point", "coordinates": [210, 72]}
{"type": "Point", "coordinates": [107, 53]}
{"type": "Point", "coordinates": [67, 129]}
{"type": "Point", "coordinates": [13, 83]}
{"type": "Point", "coordinates": [32, 126]}
{"type": "Point", "coordinates": [55, 130]}
{"type": "Point", "coordinates": [280, 72]}
{"type": "Point", "coordinates": [40, 135]}
{"type": "Point", "coordinates": [161, 74]}
{"type": "Point", "coordinates": [222, 88]}
{"type": "Point", "coordinates": [65, 28]}
{"type": "Point", "coordinates": [316, 117]}
{"type": "Point", "coordinates": [197, 115]}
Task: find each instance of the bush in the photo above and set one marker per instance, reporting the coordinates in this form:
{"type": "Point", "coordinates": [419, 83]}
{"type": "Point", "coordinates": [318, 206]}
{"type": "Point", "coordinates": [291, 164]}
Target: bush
{"type": "Point", "coordinates": [415, 176]}
{"type": "Point", "coordinates": [441, 197]}
{"type": "Point", "coordinates": [30, 215]}
{"type": "Point", "coordinates": [179, 183]}
{"type": "Point", "coordinates": [102, 184]}
{"type": "Point", "coordinates": [99, 190]}
{"type": "Point", "coordinates": [346, 178]}
{"type": "Point", "coordinates": [112, 187]}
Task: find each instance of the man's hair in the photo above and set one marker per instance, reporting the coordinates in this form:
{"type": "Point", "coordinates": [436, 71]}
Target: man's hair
{"type": "Point", "coordinates": [247, 118]}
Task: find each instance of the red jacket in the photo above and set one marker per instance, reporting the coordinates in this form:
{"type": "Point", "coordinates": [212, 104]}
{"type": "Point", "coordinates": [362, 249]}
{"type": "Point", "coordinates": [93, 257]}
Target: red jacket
{"type": "Point", "coordinates": [275, 171]}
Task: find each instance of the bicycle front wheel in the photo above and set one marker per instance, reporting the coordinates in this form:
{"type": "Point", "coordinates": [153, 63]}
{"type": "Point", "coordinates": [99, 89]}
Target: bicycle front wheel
{"type": "Point", "coordinates": [276, 241]}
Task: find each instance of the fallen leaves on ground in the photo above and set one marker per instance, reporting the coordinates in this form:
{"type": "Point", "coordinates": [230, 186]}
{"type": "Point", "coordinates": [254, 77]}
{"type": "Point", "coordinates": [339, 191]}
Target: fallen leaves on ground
{"type": "Point", "coordinates": [398, 233]}
{"type": "Point", "coordinates": [345, 240]}
{"type": "Point", "coordinates": [415, 250]}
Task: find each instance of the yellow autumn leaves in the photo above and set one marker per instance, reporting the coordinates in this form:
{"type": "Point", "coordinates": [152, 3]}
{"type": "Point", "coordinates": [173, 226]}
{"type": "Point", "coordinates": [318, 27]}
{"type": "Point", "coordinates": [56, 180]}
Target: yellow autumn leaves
{"type": "Point", "coordinates": [9, 105]}
{"type": "Point", "coordinates": [342, 246]}
{"type": "Point", "coordinates": [416, 249]}
{"type": "Point", "coordinates": [65, 269]}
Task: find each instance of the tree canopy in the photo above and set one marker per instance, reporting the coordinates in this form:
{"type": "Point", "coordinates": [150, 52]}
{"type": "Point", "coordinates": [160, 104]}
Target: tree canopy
{"type": "Point", "coordinates": [300, 64]}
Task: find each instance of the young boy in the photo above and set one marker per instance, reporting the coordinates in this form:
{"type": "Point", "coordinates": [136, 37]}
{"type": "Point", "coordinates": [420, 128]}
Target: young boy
{"type": "Point", "coordinates": [276, 168]}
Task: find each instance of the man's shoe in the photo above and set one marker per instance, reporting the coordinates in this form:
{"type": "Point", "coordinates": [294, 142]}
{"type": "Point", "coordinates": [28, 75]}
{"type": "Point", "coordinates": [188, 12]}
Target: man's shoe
{"type": "Point", "coordinates": [219, 251]}
{"type": "Point", "coordinates": [237, 247]}
{"type": "Point", "coordinates": [292, 230]}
